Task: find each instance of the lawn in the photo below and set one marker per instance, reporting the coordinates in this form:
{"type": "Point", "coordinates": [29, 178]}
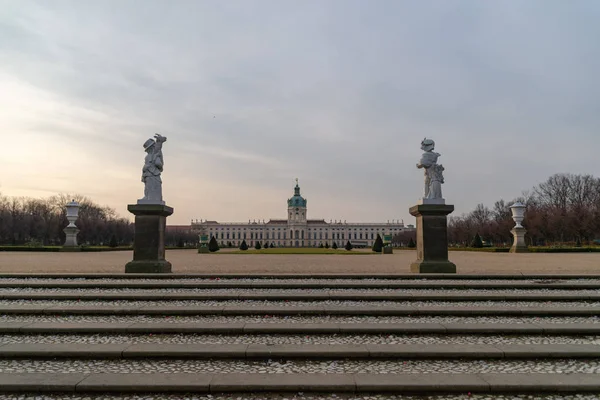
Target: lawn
{"type": "Point", "coordinates": [301, 250]}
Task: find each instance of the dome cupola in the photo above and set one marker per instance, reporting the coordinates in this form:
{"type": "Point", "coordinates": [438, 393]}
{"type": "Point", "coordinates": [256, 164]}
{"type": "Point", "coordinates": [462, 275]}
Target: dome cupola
{"type": "Point", "coordinates": [297, 200]}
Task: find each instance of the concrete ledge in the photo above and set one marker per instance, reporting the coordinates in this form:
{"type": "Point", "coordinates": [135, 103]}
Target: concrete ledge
{"type": "Point", "coordinates": [306, 351]}
{"type": "Point", "coordinates": [482, 276]}
{"type": "Point", "coordinates": [282, 328]}
{"type": "Point", "coordinates": [222, 383]}
{"type": "Point", "coordinates": [390, 284]}
{"type": "Point", "coordinates": [162, 383]}
{"type": "Point", "coordinates": [522, 383]}
{"type": "Point", "coordinates": [34, 382]}
{"type": "Point", "coordinates": [420, 383]}
{"type": "Point", "coordinates": [542, 383]}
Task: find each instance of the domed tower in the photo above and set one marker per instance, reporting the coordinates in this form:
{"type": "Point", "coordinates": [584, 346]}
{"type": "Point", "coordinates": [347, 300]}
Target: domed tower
{"type": "Point", "coordinates": [297, 218]}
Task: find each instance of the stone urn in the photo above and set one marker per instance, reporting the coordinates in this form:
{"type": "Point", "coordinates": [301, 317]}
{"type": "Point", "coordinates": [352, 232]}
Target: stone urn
{"type": "Point", "coordinates": [71, 230]}
{"type": "Point", "coordinates": [518, 213]}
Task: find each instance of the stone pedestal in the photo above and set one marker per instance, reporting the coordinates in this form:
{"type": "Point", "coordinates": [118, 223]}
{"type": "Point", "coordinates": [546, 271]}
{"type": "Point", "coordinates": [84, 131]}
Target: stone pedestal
{"type": "Point", "coordinates": [519, 245]}
{"type": "Point", "coordinates": [71, 239]}
{"type": "Point", "coordinates": [149, 239]}
{"type": "Point", "coordinates": [432, 238]}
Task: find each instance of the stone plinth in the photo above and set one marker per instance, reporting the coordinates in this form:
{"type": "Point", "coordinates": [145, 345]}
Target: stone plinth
{"type": "Point", "coordinates": [432, 238]}
{"type": "Point", "coordinates": [519, 245]}
{"type": "Point", "coordinates": [71, 239]}
{"type": "Point", "coordinates": [149, 239]}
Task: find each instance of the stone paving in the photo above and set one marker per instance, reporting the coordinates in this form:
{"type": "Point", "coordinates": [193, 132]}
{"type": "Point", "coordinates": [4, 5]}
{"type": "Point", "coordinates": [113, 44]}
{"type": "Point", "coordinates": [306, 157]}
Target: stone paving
{"type": "Point", "coordinates": [276, 319]}
{"type": "Point", "coordinates": [306, 339]}
{"type": "Point", "coordinates": [341, 367]}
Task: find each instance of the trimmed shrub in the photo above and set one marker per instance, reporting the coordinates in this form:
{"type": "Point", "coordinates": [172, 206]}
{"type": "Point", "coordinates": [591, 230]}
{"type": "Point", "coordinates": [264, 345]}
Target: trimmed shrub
{"type": "Point", "coordinates": [180, 243]}
{"type": "Point", "coordinates": [321, 246]}
{"type": "Point", "coordinates": [257, 246]}
{"type": "Point", "coordinates": [326, 245]}
{"type": "Point", "coordinates": [272, 246]}
{"type": "Point", "coordinates": [244, 245]}
{"type": "Point", "coordinates": [477, 242]}
{"type": "Point", "coordinates": [411, 243]}
{"type": "Point", "coordinates": [378, 244]}
{"type": "Point", "coordinates": [335, 246]}
{"type": "Point", "coordinates": [348, 246]}
{"type": "Point", "coordinates": [213, 245]}
{"type": "Point", "coordinates": [113, 241]}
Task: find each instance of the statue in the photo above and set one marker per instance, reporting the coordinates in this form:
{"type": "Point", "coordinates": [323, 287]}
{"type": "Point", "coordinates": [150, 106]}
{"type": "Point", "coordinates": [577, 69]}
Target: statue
{"type": "Point", "coordinates": [433, 172]}
{"type": "Point", "coordinates": [153, 167]}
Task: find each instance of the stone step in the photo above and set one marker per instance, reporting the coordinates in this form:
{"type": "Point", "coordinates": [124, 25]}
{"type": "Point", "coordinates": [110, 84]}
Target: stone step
{"type": "Point", "coordinates": [307, 284]}
{"type": "Point", "coordinates": [522, 383]}
{"type": "Point", "coordinates": [329, 351]}
{"type": "Point", "coordinates": [162, 276]}
{"type": "Point", "coordinates": [297, 310]}
{"type": "Point", "coordinates": [298, 328]}
{"type": "Point", "coordinates": [283, 296]}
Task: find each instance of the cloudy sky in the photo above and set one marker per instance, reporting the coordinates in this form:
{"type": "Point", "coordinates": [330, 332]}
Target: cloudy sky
{"type": "Point", "coordinates": [338, 93]}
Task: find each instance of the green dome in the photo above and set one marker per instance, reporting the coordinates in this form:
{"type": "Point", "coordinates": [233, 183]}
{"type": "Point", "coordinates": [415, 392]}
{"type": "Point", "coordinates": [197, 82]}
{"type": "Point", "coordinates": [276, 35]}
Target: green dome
{"type": "Point", "coordinates": [297, 200]}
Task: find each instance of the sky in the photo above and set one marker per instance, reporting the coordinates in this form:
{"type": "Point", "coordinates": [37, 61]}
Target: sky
{"type": "Point", "coordinates": [252, 94]}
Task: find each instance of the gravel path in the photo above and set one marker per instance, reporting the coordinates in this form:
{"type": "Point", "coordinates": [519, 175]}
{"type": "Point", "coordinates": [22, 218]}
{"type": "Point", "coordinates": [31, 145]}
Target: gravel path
{"type": "Point", "coordinates": [297, 339]}
{"type": "Point", "coordinates": [293, 319]}
{"type": "Point", "coordinates": [299, 366]}
{"type": "Point", "coordinates": [287, 303]}
{"type": "Point", "coordinates": [295, 396]}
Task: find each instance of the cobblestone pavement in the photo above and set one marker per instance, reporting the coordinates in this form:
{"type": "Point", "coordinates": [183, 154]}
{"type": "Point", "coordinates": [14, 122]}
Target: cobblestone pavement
{"type": "Point", "coordinates": [295, 319]}
{"type": "Point", "coordinates": [294, 291]}
{"type": "Point", "coordinates": [286, 303]}
{"type": "Point", "coordinates": [173, 366]}
{"type": "Point", "coordinates": [276, 319]}
{"type": "Point", "coordinates": [297, 339]}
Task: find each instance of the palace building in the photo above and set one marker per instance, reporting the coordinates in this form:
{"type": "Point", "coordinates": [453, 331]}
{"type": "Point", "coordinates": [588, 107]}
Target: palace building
{"type": "Point", "coordinates": [297, 230]}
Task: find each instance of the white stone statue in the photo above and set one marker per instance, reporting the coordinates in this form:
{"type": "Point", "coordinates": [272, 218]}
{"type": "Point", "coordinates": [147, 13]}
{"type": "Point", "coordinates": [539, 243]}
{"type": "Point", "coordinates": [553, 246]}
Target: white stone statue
{"type": "Point", "coordinates": [153, 167]}
{"type": "Point", "coordinates": [433, 173]}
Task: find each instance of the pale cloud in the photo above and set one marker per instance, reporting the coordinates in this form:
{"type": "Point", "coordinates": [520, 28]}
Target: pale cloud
{"type": "Point", "coordinates": [339, 93]}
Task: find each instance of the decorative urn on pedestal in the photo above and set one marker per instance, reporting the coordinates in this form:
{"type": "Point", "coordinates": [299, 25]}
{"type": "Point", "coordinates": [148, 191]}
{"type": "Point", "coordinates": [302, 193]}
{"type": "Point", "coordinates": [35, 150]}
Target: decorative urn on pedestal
{"type": "Point", "coordinates": [71, 230]}
{"type": "Point", "coordinates": [518, 215]}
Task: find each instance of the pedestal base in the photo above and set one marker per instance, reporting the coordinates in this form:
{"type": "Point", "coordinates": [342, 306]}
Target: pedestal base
{"type": "Point", "coordinates": [148, 267]}
{"type": "Point", "coordinates": [432, 239]}
{"type": "Point", "coordinates": [424, 267]}
{"type": "Point", "coordinates": [388, 250]}
{"type": "Point", "coordinates": [519, 245]}
{"type": "Point", "coordinates": [149, 239]}
{"type": "Point", "coordinates": [71, 236]}
{"type": "Point", "coordinates": [203, 249]}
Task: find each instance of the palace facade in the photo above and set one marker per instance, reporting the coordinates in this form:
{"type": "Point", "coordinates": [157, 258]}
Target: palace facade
{"type": "Point", "coordinates": [297, 230]}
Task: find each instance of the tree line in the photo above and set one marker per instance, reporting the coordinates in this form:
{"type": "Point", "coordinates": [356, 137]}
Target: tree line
{"type": "Point", "coordinates": [565, 209]}
{"type": "Point", "coordinates": [32, 221]}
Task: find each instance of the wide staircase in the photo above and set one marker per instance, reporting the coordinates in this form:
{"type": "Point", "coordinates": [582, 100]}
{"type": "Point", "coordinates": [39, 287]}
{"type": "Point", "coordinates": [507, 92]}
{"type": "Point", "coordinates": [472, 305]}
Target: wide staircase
{"type": "Point", "coordinates": [66, 336]}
